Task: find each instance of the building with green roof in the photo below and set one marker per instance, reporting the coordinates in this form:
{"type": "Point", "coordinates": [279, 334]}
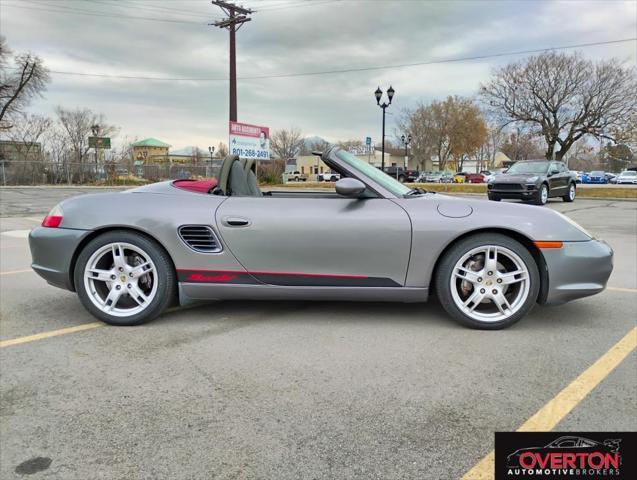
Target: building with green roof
{"type": "Point", "coordinates": [150, 150]}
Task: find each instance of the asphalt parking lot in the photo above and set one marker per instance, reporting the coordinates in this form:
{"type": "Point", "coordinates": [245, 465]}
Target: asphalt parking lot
{"type": "Point", "coordinates": [288, 390]}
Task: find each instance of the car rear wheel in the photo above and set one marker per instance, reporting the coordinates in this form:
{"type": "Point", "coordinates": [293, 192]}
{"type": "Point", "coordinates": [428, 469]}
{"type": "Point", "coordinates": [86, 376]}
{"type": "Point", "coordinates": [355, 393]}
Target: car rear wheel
{"type": "Point", "coordinates": [487, 281]}
{"type": "Point", "coordinates": [570, 196]}
{"type": "Point", "coordinates": [124, 278]}
{"type": "Point", "coordinates": [542, 195]}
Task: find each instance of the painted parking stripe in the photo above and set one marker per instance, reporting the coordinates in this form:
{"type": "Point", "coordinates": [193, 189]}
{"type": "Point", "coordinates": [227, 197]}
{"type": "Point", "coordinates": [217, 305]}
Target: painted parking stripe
{"type": "Point", "coordinates": [52, 333]}
{"type": "Point", "coordinates": [559, 406]}
{"type": "Point", "coordinates": [13, 272]}
{"type": "Point", "coordinates": [78, 328]}
{"type": "Point", "coordinates": [621, 289]}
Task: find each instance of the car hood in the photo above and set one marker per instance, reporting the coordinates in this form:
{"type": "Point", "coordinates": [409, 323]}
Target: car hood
{"type": "Point", "coordinates": [536, 223]}
{"type": "Point", "coordinates": [515, 178]}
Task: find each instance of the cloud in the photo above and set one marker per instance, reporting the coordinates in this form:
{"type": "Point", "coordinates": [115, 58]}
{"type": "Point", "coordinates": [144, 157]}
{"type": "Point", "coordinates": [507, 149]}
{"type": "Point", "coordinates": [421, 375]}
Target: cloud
{"type": "Point", "coordinates": [288, 36]}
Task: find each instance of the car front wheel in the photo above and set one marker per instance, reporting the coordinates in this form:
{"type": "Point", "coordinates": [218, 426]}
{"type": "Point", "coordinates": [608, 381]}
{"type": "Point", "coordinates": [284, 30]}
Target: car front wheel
{"type": "Point", "coordinates": [570, 196]}
{"type": "Point", "coordinates": [124, 278]}
{"type": "Point", "coordinates": [487, 281]}
{"type": "Point", "coordinates": [542, 195]}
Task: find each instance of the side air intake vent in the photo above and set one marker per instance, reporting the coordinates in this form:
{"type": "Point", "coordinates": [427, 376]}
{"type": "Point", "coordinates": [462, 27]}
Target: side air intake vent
{"type": "Point", "coordinates": [200, 238]}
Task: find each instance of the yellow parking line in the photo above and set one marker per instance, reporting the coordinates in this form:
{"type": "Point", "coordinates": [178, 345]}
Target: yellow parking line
{"type": "Point", "coordinates": [13, 272]}
{"type": "Point", "coordinates": [52, 333]}
{"type": "Point", "coordinates": [620, 289]}
{"type": "Point", "coordinates": [557, 408]}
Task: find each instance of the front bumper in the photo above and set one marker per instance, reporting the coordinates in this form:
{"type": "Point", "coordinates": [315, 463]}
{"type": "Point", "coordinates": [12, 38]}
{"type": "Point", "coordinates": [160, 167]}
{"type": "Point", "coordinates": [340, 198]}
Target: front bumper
{"type": "Point", "coordinates": [52, 253]}
{"type": "Point", "coordinates": [578, 269]}
{"type": "Point", "coordinates": [513, 190]}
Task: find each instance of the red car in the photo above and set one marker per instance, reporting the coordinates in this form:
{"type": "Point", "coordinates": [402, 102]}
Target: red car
{"type": "Point", "coordinates": [474, 178]}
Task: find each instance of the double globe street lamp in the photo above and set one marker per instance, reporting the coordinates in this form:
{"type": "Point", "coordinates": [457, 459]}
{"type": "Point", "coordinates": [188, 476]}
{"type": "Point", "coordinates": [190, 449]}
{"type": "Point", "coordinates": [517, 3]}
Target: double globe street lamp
{"type": "Point", "coordinates": [406, 142]}
{"type": "Point", "coordinates": [379, 94]}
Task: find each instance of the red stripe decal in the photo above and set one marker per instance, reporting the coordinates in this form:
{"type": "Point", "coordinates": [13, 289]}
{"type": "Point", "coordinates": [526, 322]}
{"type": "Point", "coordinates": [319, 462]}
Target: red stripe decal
{"type": "Point", "coordinates": [292, 274]}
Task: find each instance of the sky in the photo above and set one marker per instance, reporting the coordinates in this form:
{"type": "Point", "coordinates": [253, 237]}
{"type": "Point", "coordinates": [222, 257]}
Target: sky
{"type": "Point", "coordinates": [174, 41]}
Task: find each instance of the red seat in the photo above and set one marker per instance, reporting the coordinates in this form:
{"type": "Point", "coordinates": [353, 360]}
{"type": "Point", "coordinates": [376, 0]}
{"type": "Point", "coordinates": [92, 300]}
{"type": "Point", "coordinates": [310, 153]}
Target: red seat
{"type": "Point", "coordinates": [197, 186]}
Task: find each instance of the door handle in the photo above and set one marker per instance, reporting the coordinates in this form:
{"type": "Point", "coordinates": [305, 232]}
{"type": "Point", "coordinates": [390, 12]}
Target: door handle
{"type": "Point", "coordinates": [236, 221]}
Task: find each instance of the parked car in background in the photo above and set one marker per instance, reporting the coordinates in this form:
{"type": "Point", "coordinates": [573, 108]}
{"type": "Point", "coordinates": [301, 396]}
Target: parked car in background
{"type": "Point", "coordinates": [610, 177]}
{"type": "Point", "coordinates": [534, 180]}
{"type": "Point", "coordinates": [627, 177]}
{"type": "Point", "coordinates": [474, 178]}
{"type": "Point", "coordinates": [328, 177]}
{"type": "Point", "coordinates": [296, 177]}
{"type": "Point", "coordinates": [596, 176]}
{"type": "Point", "coordinates": [401, 174]}
{"type": "Point", "coordinates": [460, 177]}
{"type": "Point", "coordinates": [437, 177]}
{"type": "Point", "coordinates": [492, 175]}
{"type": "Point", "coordinates": [583, 177]}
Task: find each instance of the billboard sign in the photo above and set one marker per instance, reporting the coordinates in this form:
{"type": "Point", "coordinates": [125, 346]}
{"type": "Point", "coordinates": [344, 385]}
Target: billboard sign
{"type": "Point", "coordinates": [99, 142]}
{"type": "Point", "coordinates": [249, 141]}
{"type": "Point", "coordinates": [368, 141]}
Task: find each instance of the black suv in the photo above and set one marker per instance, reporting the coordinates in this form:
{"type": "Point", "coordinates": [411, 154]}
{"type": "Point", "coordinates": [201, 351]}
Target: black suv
{"type": "Point", "coordinates": [535, 181]}
{"type": "Point", "coordinates": [400, 174]}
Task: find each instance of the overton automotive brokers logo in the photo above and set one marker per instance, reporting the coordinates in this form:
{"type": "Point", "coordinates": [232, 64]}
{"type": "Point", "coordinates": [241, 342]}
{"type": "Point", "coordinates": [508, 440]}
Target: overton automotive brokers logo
{"type": "Point", "coordinates": [572, 456]}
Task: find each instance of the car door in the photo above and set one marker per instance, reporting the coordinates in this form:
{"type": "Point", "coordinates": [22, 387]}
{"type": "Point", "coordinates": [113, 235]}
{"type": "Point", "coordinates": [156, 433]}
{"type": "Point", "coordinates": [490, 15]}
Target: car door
{"type": "Point", "coordinates": [557, 181]}
{"type": "Point", "coordinates": [301, 241]}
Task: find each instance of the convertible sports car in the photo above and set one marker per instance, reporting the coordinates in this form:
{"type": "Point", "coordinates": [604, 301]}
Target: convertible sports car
{"type": "Point", "coordinates": [129, 255]}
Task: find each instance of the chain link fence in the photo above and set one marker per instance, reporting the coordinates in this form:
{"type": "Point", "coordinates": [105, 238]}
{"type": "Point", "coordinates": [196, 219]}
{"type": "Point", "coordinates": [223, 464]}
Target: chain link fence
{"type": "Point", "coordinates": [46, 173]}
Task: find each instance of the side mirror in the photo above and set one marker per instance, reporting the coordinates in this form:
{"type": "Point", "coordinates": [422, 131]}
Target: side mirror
{"type": "Point", "coordinates": [349, 187]}
{"type": "Point", "coordinates": [554, 172]}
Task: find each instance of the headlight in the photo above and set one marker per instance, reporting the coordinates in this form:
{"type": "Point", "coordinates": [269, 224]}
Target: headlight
{"type": "Point", "coordinates": [575, 224]}
{"type": "Point", "coordinates": [532, 179]}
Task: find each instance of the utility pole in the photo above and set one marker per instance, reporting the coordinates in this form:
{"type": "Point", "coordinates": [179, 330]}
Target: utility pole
{"type": "Point", "coordinates": [236, 16]}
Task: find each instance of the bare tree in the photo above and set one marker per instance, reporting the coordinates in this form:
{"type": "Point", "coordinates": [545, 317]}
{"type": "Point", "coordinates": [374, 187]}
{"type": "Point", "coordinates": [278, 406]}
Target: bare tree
{"type": "Point", "coordinates": [27, 134]}
{"type": "Point", "coordinates": [563, 97]}
{"type": "Point", "coordinates": [520, 145]}
{"type": "Point", "coordinates": [76, 125]}
{"type": "Point", "coordinates": [286, 143]}
{"type": "Point", "coordinates": [451, 130]}
{"type": "Point", "coordinates": [19, 84]}
{"type": "Point", "coordinates": [222, 150]}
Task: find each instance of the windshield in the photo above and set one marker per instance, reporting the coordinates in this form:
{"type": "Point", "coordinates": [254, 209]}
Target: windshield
{"type": "Point", "coordinates": [528, 167]}
{"type": "Point", "coordinates": [629, 173]}
{"type": "Point", "coordinates": [597, 174]}
{"type": "Point", "coordinates": [374, 173]}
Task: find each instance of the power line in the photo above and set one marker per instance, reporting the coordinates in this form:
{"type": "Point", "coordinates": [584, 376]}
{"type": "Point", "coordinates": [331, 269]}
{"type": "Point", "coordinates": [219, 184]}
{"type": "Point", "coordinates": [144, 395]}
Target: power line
{"type": "Point", "coordinates": [351, 70]}
{"type": "Point", "coordinates": [93, 13]}
{"type": "Point", "coordinates": [150, 8]}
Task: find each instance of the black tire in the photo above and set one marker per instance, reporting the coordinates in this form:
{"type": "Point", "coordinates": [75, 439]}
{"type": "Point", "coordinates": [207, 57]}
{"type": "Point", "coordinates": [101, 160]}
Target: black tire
{"type": "Point", "coordinates": [444, 271]}
{"type": "Point", "coordinates": [538, 199]}
{"type": "Point", "coordinates": [569, 197]}
{"type": "Point", "coordinates": [401, 178]}
{"type": "Point", "coordinates": [493, 197]}
{"type": "Point", "coordinates": [166, 277]}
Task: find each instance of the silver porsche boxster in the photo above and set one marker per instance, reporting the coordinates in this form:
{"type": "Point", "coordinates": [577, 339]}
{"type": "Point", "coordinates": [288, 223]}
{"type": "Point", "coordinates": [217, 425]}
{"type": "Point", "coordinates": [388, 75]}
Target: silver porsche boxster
{"type": "Point", "coordinates": [129, 255]}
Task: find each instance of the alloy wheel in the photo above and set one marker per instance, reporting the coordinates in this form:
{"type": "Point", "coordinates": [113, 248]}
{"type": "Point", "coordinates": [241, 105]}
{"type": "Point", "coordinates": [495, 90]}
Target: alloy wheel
{"type": "Point", "coordinates": [120, 279]}
{"type": "Point", "coordinates": [490, 283]}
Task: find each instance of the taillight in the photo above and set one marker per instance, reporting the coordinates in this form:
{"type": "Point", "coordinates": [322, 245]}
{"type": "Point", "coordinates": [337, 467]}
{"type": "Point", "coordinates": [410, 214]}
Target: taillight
{"type": "Point", "coordinates": [53, 218]}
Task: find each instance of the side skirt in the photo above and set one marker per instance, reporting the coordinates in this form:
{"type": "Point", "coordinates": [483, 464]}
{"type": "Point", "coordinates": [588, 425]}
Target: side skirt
{"type": "Point", "coordinates": [193, 292]}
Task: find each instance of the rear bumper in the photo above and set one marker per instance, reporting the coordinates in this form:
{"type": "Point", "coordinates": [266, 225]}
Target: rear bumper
{"type": "Point", "coordinates": [52, 251]}
{"type": "Point", "coordinates": [578, 269]}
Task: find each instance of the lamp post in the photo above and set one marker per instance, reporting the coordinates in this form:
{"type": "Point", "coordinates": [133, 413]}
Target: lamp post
{"type": "Point", "coordinates": [212, 152]}
{"type": "Point", "coordinates": [379, 94]}
{"type": "Point", "coordinates": [406, 143]}
{"type": "Point", "coordinates": [96, 132]}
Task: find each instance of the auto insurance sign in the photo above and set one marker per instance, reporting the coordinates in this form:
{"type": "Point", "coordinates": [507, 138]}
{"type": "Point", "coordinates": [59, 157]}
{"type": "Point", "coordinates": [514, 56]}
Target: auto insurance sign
{"type": "Point", "coordinates": [249, 141]}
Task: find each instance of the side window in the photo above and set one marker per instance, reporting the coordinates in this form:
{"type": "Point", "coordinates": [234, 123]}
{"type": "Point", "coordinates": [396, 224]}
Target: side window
{"type": "Point", "coordinates": [567, 443]}
{"type": "Point", "coordinates": [562, 168]}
